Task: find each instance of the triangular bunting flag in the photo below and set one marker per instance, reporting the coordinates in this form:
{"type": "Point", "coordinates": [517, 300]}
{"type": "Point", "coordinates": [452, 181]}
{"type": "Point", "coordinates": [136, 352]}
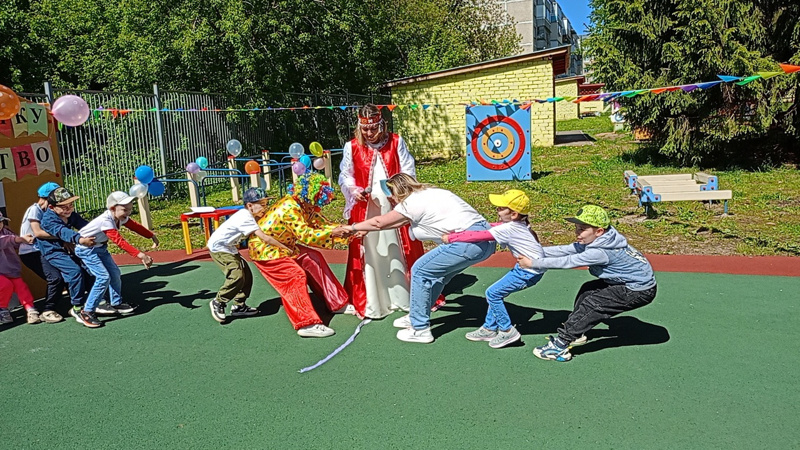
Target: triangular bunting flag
{"type": "Point", "coordinates": [728, 78]}
{"type": "Point", "coordinates": [788, 68]}
{"type": "Point", "coordinates": [748, 80]}
{"type": "Point", "coordinates": [380, 107]}
{"type": "Point", "coordinates": [688, 87]}
{"type": "Point", "coordinates": [424, 107]}
{"type": "Point", "coordinates": [660, 90]}
{"type": "Point", "coordinates": [766, 75]}
{"type": "Point", "coordinates": [708, 84]}
{"type": "Point", "coordinates": [391, 107]}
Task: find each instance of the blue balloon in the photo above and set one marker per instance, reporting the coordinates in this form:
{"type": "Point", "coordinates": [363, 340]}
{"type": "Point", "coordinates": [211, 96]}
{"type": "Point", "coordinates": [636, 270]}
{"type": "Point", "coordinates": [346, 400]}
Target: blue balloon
{"type": "Point", "coordinates": [306, 161]}
{"type": "Point", "coordinates": [202, 161]}
{"type": "Point", "coordinates": [144, 174]}
{"type": "Point", "coordinates": [156, 188]}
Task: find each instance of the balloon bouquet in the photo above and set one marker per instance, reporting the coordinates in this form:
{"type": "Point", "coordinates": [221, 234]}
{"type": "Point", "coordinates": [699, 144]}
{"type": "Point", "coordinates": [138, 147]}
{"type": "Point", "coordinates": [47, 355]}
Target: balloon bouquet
{"type": "Point", "coordinates": [304, 162]}
{"type": "Point", "coordinates": [146, 183]}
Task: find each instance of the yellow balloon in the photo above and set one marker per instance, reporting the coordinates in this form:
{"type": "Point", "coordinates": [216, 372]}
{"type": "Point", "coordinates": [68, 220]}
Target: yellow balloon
{"type": "Point", "coordinates": [315, 148]}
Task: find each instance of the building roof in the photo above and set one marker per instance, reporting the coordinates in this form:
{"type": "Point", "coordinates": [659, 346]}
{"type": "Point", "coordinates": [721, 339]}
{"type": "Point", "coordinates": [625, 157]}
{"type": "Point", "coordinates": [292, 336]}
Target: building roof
{"type": "Point", "coordinates": [559, 55]}
{"type": "Point", "coordinates": [579, 78]}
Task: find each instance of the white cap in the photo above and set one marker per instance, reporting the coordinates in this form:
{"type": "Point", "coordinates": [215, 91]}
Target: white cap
{"type": "Point", "coordinates": [118, 198]}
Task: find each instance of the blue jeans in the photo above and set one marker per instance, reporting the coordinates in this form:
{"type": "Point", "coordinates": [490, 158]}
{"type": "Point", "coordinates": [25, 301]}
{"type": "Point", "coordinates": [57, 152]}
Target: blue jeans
{"type": "Point", "coordinates": [70, 269]}
{"type": "Point", "coordinates": [515, 280]}
{"type": "Point", "coordinates": [435, 269]}
{"type": "Point", "coordinates": [106, 274]}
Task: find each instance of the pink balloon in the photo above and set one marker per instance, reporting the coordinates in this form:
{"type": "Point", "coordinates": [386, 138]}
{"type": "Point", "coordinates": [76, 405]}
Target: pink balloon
{"type": "Point", "coordinates": [298, 168]}
{"type": "Point", "coordinates": [70, 110]}
{"type": "Point", "coordinates": [319, 163]}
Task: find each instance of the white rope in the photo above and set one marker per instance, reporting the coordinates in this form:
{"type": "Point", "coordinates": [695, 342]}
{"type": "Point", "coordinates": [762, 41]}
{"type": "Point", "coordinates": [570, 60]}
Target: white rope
{"type": "Point", "coordinates": [339, 349]}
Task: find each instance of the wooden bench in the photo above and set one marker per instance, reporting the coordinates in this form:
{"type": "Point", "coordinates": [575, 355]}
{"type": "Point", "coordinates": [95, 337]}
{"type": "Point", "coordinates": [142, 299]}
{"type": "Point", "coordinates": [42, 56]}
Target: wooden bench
{"type": "Point", "coordinates": [698, 186]}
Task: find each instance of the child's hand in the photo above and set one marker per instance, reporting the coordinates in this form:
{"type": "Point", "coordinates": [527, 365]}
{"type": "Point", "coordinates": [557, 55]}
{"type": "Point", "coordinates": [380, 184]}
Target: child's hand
{"type": "Point", "coordinates": [446, 238]}
{"type": "Point", "coordinates": [156, 242]}
{"type": "Point", "coordinates": [146, 260]}
{"type": "Point", "coordinates": [524, 262]}
{"type": "Point", "coordinates": [87, 241]}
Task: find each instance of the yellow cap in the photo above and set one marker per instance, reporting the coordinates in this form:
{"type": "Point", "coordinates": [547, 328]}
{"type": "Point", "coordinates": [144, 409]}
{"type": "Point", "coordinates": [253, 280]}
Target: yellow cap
{"type": "Point", "coordinates": [513, 199]}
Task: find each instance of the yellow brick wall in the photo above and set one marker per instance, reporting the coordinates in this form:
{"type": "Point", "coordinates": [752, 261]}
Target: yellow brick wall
{"type": "Point", "coordinates": [593, 107]}
{"type": "Point", "coordinates": [566, 110]}
{"type": "Point", "coordinates": [441, 132]}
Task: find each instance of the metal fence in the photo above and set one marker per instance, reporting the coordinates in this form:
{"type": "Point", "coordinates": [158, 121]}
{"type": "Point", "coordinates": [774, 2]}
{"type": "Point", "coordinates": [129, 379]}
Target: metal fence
{"type": "Point", "coordinates": [101, 155]}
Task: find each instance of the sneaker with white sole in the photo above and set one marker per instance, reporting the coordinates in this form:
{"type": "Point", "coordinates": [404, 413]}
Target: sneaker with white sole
{"type": "Point", "coordinates": [402, 322]}
{"type": "Point", "coordinates": [51, 317]}
{"type": "Point", "coordinates": [76, 314]}
{"type": "Point", "coordinates": [105, 309]}
{"type": "Point", "coordinates": [504, 338]}
{"type": "Point", "coordinates": [417, 336]}
{"type": "Point", "coordinates": [316, 331]}
{"type": "Point", "coordinates": [580, 341]}
{"type": "Point", "coordinates": [89, 319]}
{"type": "Point", "coordinates": [243, 310]}
{"type": "Point", "coordinates": [481, 334]}
{"type": "Point", "coordinates": [217, 310]}
{"type": "Point", "coordinates": [553, 351]}
{"type": "Point", "coordinates": [124, 308]}
{"type": "Point", "coordinates": [33, 316]}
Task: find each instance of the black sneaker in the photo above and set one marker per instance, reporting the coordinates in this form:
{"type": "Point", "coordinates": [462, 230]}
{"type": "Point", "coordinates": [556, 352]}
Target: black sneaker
{"type": "Point", "coordinates": [124, 308]}
{"type": "Point", "coordinates": [76, 313]}
{"type": "Point", "coordinates": [90, 319]}
{"type": "Point", "coordinates": [217, 310]}
{"type": "Point", "coordinates": [105, 309]}
{"type": "Point", "coordinates": [243, 310]}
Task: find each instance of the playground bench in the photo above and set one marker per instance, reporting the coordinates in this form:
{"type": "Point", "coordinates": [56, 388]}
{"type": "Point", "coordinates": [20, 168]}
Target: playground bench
{"type": "Point", "coordinates": [699, 186]}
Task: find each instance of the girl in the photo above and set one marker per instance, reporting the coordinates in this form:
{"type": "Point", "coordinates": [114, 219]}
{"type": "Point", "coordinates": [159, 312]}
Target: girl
{"type": "Point", "coordinates": [513, 232]}
{"type": "Point", "coordinates": [11, 274]}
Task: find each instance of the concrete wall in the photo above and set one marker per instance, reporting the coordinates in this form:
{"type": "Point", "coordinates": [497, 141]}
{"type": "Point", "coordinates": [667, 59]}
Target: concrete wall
{"type": "Point", "coordinates": [441, 132]}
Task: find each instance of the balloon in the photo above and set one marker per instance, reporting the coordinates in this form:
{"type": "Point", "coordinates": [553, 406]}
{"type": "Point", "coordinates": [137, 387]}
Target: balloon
{"type": "Point", "coordinates": [252, 167]}
{"type": "Point", "coordinates": [138, 190]}
{"type": "Point", "coordinates": [192, 167]}
{"type": "Point", "coordinates": [315, 148]}
{"type": "Point", "coordinates": [202, 161]}
{"type": "Point", "coordinates": [296, 150]}
{"type": "Point", "coordinates": [305, 160]}
{"type": "Point", "coordinates": [156, 188]}
{"type": "Point", "coordinates": [70, 110]}
{"type": "Point", "coordinates": [200, 175]}
{"type": "Point", "coordinates": [319, 163]}
{"type": "Point", "coordinates": [144, 174]}
{"type": "Point", "coordinates": [234, 147]}
{"type": "Point", "coordinates": [9, 103]}
{"type": "Point", "coordinates": [298, 168]}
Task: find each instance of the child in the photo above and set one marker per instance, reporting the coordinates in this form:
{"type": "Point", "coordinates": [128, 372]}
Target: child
{"type": "Point", "coordinates": [222, 248]}
{"type": "Point", "coordinates": [98, 260]}
{"type": "Point", "coordinates": [32, 257]}
{"type": "Point", "coordinates": [513, 232]}
{"type": "Point", "coordinates": [61, 221]}
{"type": "Point", "coordinates": [11, 274]}
{"type": "Point", "coordinates": [625, 281]}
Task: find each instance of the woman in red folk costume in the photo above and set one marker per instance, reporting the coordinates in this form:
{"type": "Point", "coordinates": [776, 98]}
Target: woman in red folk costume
{"type": "Point", "coordinates": [379, 264]}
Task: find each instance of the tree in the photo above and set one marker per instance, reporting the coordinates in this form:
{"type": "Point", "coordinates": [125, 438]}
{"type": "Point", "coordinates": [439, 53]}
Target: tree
{"type": "Point", "coordinates": [639, 44]}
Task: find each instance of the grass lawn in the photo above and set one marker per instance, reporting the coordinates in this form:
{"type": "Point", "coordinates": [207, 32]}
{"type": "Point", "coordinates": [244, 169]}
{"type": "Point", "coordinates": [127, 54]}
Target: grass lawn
{"type": "Point", "coordinates": [764, 214]}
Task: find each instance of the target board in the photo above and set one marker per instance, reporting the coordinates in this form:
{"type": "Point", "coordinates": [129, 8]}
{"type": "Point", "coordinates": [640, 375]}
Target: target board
{"type": "Point", "coordinates": [498, 143]}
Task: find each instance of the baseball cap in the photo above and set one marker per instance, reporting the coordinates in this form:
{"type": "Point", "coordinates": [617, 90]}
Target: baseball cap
{"type": "Point", "coordinates": [591, 215]}
{"type": "Point", "coordinates": [118, 198]}
{"type": "Point", "coordinates": [513, 199]}
{"type": "Point", "coordinates": [254, 195]}
{"type": "Point", "coordinates": [45, 189]}
{"type": "Point", "coordinates": [4, 218]}
{"type": "Point", "coordinates": [61, 196]}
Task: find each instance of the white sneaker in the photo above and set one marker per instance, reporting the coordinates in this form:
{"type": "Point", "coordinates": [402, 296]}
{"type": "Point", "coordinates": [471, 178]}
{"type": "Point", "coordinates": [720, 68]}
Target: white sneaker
{"type": "Point", "coordinates": [412, 335]}
{"type": "Point", "coordinates": [317, 331]}
{"type": "Point", "coordinates": [403, 322]}
{"type": "Point", "coordinates": [580, 341]}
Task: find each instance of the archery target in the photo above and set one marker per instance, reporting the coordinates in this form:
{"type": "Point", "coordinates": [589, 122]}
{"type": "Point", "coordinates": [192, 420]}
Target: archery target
{"type": "Point", "coordinates": [498, 143]}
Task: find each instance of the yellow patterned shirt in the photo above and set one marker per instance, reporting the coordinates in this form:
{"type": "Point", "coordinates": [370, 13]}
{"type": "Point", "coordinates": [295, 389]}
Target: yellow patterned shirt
{"type": "Point", "coordinates": [289, 224]}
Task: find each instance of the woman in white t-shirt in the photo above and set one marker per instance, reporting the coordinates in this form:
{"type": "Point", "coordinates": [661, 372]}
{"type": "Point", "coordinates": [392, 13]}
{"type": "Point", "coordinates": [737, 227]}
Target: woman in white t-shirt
{"type": "Point", "coordinates": [513, 232]}
{"type": "Point", "coordinates": [431, 212]}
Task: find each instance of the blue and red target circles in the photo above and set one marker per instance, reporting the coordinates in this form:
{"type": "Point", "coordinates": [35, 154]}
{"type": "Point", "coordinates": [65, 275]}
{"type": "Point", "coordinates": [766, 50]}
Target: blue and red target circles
{"type": "Point", "coordinates": [498, 143]}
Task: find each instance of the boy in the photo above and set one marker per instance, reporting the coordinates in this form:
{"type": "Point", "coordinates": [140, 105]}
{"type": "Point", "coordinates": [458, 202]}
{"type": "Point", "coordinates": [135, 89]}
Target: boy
{"type": "Point", "coordinates": [11, 281]}
{"type": "Point", "coordinates": [625, 283]}
{"type": "Point", "coordinates": [32, 257]}
{"type": "Point", "coordinates": [222, 246]}
{"type": "Point", "coordinates": [98, 260]}
{"type": "Point", "coordinates": [60, 221]}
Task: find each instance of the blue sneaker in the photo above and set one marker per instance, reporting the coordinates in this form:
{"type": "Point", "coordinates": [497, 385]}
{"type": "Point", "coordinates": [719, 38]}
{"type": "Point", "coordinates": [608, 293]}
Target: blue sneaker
{"type": "Point", "coordinates": [553, 351]}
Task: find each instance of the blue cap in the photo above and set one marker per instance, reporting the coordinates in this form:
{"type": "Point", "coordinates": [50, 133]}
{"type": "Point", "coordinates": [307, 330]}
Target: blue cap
{"type": "Point", "coordinates": [254, 195]}
{"type": "Point", "coordinates": [45, 189]}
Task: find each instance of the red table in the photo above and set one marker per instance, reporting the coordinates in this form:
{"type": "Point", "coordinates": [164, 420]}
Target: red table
{"type": "Point", "coordinates": [205, 218]}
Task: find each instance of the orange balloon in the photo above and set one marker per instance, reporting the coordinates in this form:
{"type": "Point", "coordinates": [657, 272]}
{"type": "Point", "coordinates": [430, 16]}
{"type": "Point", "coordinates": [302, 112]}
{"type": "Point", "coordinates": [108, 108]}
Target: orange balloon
{"type": "Point", "coordinates": [9, 103]}
{"type": "Point", "coordinates": [252, 167]}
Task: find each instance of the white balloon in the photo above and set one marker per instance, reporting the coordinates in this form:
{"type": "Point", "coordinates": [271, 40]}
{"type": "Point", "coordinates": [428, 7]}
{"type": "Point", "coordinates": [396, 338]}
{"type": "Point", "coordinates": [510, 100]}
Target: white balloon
{"type": "Point", "coordinates": [296, 150]}
{"type": "Point", "coordinates": [138, 190]}
{"type": "Point", "coordinates": [234, 147]}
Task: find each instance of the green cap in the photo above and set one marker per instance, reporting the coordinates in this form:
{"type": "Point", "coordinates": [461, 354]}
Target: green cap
{"type": "Point", "coordinates": [591, 215]}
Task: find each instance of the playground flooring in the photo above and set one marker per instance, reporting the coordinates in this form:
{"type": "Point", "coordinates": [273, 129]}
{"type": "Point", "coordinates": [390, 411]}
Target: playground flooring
{"type": "Point", "coordinates": [711, 363]}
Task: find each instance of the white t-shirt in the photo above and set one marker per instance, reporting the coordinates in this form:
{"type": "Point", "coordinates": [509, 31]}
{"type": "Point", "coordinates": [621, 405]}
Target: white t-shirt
{"type": "Point", "coordinates": [34, 212]}
{"type": "Point", "coordinates": [233, 230]}
{"type": "Point", "coordinates": [519, 239]}
{"type": "Point", "coordinates": [434, 212]}
{"type": "Point", "coordinates": [99, 225]}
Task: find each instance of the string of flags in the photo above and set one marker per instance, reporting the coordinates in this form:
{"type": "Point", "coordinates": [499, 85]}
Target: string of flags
{"type": "Point", "coordinates": [605, 96]}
